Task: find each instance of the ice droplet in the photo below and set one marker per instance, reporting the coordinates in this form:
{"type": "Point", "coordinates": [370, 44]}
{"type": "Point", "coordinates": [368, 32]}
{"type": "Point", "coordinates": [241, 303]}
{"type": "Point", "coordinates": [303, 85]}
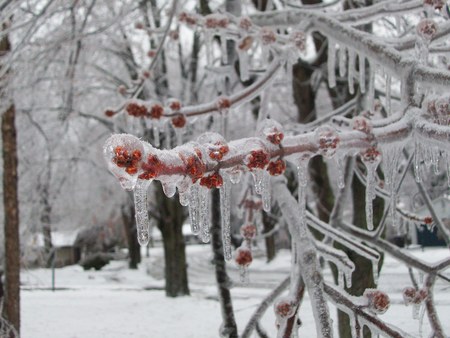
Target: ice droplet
{"type": "Point", "coordinates": [225, 216]}
{"type": "Point", "coordinates": [140, 205]}
{"type": "Point", "coordinates": [331, 63]}
{"type": "Point", "coordinates": [194, 208]}
{"type": "Point", "coordinates": [204, 214]}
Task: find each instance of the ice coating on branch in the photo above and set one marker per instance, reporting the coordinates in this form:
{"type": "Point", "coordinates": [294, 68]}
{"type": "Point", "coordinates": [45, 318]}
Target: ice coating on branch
{"type": "Point", "coordinates": [331, 63]}
{"type": "Point", "coordinates": [225, 216]}
{"type": "Point", "coordinates": [140, 204]}
{"type": "Point", "coordinates": [351, 70]}
{"type": "Point", "coordinates": [371, 157]}
{"type": "Point", "coordinates": [194, 208]}
{"type": "Point", "coordinates": [123, 154]}
{"type": "Point", "coordinates": [302, 172]}
{"type": "Point", "coordinates": [205, 215]}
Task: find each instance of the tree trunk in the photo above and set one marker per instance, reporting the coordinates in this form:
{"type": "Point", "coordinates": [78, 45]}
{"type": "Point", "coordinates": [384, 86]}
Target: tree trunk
{"type": "Point", "coordinates": [129, 224]}
{"type": "Point", "coordinates": [171, 223]}
{"type": "Point", "coordinates": [228, 328]}
{"type": "Point", "coordinates": [11, 207]}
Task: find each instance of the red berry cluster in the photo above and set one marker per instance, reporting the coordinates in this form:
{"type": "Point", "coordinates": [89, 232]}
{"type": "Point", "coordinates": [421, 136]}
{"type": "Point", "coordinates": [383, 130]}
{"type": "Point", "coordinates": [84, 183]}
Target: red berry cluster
{"type": "Point", "coordinates": [257, 159]}
{"type": "Point", "coordinates": [151, 53]}
{"type": "Point", "coordinates": [378, 300]}
{"type": "Point", "coordinates": [284, 308]}
{"type": "Point", "coordinates": [110, 113]}
{"type": "Point", "coordinates": [156, 111]}
{"type": "Point", "coordinates": [413, 296]}
{"type": "Point", "coordinates": [128, 160]}
{"type": "Point", "coordinates": [362, 124]}
{"type": "Point", "coordinates": [428, 220]}
{"type": "Point", "coordinates": [248, 231]}
{"type": "Point", "coordinates": [136, 109]}
{"type": "Point", "coordinates": [275, 137]}
{"type": "Point", "coordinates": [426, 29]}
{"type": "Point", "coordinates": [174, 105]}
{"type": "Point", "coordinates": [212, 181]}
{"type": "Point", "coordinates": [213, 21]}
{"type": "Point", "coordinates": [437, 4]}
{"type": "Point", "coordinates": [187, 18]}
{"type": "Point", "coordinates": [268, 36]}
{"type": "Point", "coordinates": [179, 121]}
{"type": "Point", "coordinates": [299, 40]}
{"type": "Point", "coordinates": [218, 151]}
{"type": "Point", "coordinates": [245, 43]}
{"type": "Point", "coordinates": [243, 256]}
{"type": "Point", "coordinates": [151, 168]}
{"type": "Point", "coordinates": [276, 168]}
{"type": "Point", "coordinates": [223, 103]}
{"type": "Point", "coordinates": [195, 167]}
{"type": "Point", "coordinates": [371, 155]}
{"type": "Point", "coordinates": [328, 142]}
{"type": "Point", "coordinates": [245, 23]}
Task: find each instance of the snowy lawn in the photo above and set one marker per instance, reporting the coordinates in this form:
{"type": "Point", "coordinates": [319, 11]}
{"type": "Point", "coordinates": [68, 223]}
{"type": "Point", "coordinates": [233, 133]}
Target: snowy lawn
{"type": "Point", "coordinates": [117, 302]}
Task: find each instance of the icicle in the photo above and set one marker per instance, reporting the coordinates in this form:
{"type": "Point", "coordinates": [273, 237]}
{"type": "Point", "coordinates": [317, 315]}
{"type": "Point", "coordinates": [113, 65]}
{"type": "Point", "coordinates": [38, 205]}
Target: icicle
{"type": "Point", "coordinates": [342, 60]}
{"type": "Point", "coordinates": [243, 65]}
{"type": "Point", "coordinates": [265, 191]}
{"type": "Point", "coordinates": [223, 47]}
{"type": "Point", "coordinates": [204, 214]}
{"type": "Point", "coordinates": [167, 138]}
{"type": "Point", "coordinates": [341, 278]}
{"type": "Point", "coordinates": [417, 158]}
{"type": "Point", "coordinates": [208, 45]}
{"type": "Point", "coordinates": [302, 170]}
{"type": "Point", "coordinates": [194, 208]}
{"type": "Point", "coordinates": [375, 270]}
{"type": "Point", "coordinates": [258, 175]}
{"type": "Point", "coordinates": [370, 194]}
{"type": "Point", "coordinates": [415, 311]}
{"type": "Point", "coordinates": [243, 274]}
{"type": "Point", "coordinates": [179, 135]}
{"type": "Point", "coordinates": [140, 205]}
{"type": "Point", "coordinates": [391, 156]}
{"type": "Point", "coordinates": [184, 198]}
{"type": "Point", "coordinates": [225, 216]}
{"type": "Point", "coordinates": [340, 167]}
{"type": "Point", "coordinates": [371, 94]}
{"type": "Point", "coordinates": [354, 325]}
{"type": "Point", "coordinates": [362, 73]}
{"type": "Point", "coordinates": [169, 189]}
{"type": "Point", "coordinates": [331, 63]}
{"type": "Point", "coordinates": [348, 278]}
{"type": "Point", "coordinates": [351, 71]}
{"type": "Point", "coordinates": [388, 93]}
{"type": "Point", "coordinates": [156, 139]}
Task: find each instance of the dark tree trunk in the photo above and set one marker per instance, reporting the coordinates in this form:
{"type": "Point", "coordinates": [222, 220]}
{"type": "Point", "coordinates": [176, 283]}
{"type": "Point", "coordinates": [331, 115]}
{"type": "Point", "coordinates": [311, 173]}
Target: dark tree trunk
{"type": "Point", "coordinates": [11, 206]}
{"type": "Point", "coordinates": [129, 224]}
{"type": "Point", "coordinates": [228, 328]}
{"type": "Point", "coordinates": [171, 223]}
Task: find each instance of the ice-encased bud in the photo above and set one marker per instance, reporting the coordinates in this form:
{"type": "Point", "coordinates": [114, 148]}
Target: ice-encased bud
{"type": "Point", "coordinates": [328, 140]}
{"type": "Point", "coordinates": [284, 307]}
{"type": "Point", "coordinates": [426, 29]}
{"type": "Point", "coordinates": [271, 131]}
{"type": "Point", "coordinates": [216, 145]}
{"type": "Point", "coordinates": [123, 154]}
{"type": "Point", "coordinates": [378, 301]}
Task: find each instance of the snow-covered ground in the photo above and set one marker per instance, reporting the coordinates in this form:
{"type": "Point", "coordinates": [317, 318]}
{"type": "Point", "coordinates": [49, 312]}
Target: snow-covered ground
{"type": "Point", "coordinates": [117, 302]}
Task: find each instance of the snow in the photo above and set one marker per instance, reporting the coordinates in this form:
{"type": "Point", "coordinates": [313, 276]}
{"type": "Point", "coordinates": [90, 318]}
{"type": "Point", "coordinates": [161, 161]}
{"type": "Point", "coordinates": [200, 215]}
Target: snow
{"type": "Point", "coordinates": [116, 302]}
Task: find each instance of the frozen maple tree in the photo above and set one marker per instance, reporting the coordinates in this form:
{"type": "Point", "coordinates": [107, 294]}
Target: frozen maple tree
{"type": "Point", "coordinates": [382, 65]}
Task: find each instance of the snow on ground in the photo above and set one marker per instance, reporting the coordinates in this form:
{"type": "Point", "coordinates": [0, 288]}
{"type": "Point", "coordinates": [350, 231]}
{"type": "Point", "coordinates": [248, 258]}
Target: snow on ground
{"type": "Point", "coordinates": [116, 302]}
